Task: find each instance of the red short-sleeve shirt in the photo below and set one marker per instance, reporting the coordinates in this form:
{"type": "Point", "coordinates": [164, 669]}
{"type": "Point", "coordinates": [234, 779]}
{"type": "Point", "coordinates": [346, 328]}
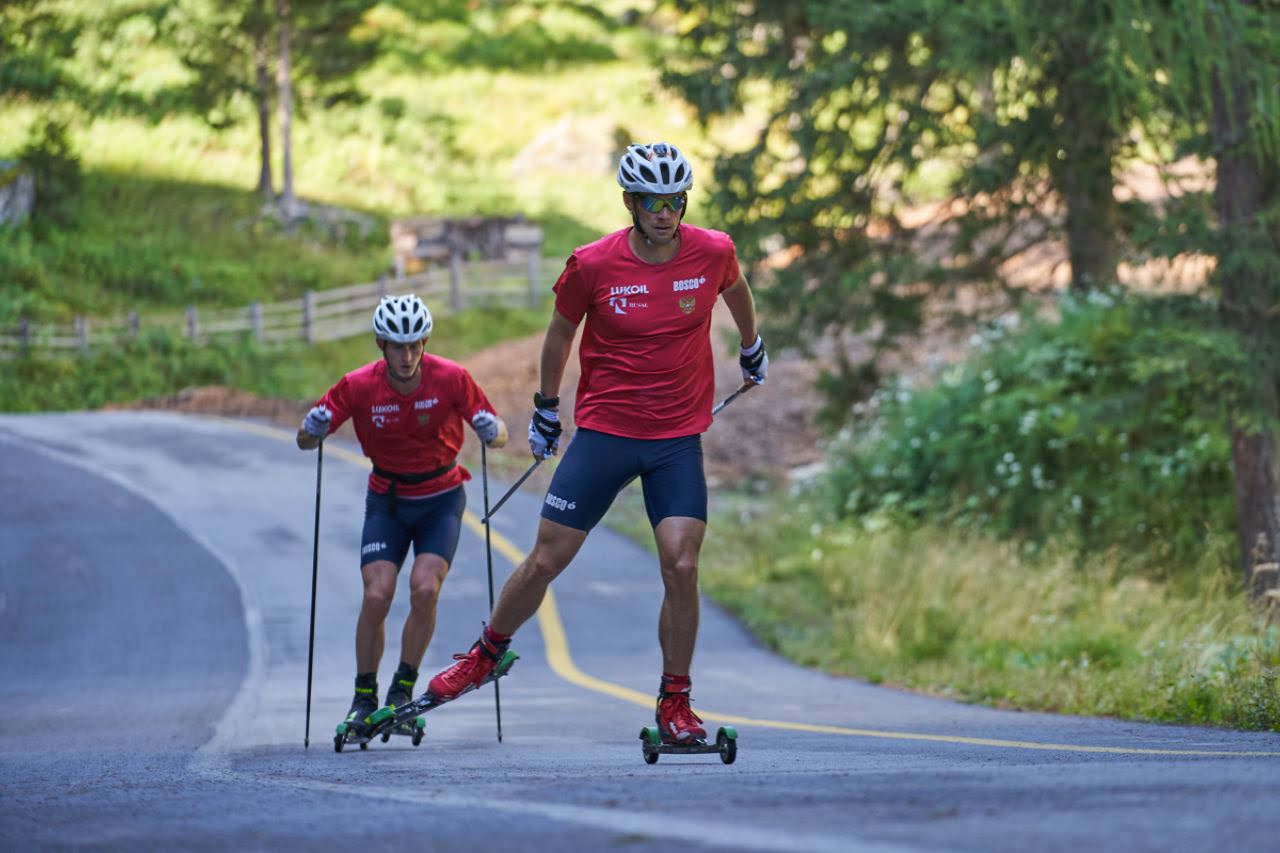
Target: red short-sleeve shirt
{"type": "Point", "coordinates": [409, 433]}
{"type": "Point", "coordinates": [647, 365]}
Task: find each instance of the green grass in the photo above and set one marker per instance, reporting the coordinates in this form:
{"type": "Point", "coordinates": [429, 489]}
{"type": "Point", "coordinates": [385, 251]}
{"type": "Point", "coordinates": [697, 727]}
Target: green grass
{"type": "Point", "coordinates": [963, 617]}
{"type": "Point", "coordinates": [153, 244]}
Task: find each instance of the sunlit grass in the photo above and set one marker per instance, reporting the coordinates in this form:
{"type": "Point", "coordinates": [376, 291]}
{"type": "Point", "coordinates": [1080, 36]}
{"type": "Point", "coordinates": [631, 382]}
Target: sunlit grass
{"type": "Point", "coordinates": [964, 617]}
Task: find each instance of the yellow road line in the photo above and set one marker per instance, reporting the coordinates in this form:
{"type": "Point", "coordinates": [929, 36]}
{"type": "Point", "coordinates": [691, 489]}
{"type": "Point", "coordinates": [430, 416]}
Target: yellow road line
{"type": "Point", "coordinates": [561, 662]}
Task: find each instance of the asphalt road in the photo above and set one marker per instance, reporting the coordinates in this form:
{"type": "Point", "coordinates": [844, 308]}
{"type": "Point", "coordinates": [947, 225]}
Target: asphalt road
{"type": "Point", "coordinates": [154, 613]}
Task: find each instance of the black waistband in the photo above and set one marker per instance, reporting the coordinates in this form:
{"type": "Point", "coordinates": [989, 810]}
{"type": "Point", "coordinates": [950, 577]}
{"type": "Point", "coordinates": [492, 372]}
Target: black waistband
{"type": "Point", "coordinates": [414, 479]}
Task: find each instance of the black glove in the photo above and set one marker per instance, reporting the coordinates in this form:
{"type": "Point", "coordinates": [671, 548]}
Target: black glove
{"type": "Point", "coordinates": [544, 428]}
{"type": "Point", "coordinates": [754, 362]}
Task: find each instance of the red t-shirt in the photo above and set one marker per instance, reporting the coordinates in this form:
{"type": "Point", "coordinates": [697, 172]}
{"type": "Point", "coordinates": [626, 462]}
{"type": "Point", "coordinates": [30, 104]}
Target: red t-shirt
{"type": "Point", "coordinates": [647, 366]}
{"type": "Point", "coordinates": [409, 433]}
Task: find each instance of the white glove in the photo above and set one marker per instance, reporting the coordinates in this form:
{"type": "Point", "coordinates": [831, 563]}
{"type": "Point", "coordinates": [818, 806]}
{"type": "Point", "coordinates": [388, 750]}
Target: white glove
{"type": "Point", "coordinates": [486, 426]}
{"type": "Point", "coordinates": [317, 421]}
{"type": "Point", "coordinates": [754, 362]}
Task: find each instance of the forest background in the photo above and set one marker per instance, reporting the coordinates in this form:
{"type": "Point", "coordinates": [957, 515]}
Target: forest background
{"type": "Point", "coordinates": [1028, 252]}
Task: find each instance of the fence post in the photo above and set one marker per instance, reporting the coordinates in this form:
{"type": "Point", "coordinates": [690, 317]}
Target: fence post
{"type": "Point", "coordinates": [535, 274]}
{"type": "Point", "coordinates": [135, 325]}
{"type": "Point", "coordinates": [82, 333]}
{"type": "Point", "coordinates": [455, 280]}
{"type": "Point", "coordinates": [382, 286]}
{"type": "Point", "coordinates": [24, 335]}
{"type": "Point", "coordinates": [193, 323]}
{"type": "Point", "coordinates": [255, 321]}
{"type": "Point", "coordinates": [308, 316]}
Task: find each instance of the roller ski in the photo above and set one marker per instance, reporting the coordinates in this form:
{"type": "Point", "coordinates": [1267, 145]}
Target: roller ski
{"type": "Point", "coordinates": [408, 719]}
{"type": "Point", "coordinates": [359, 726]}
{"type": "Point", "coordinates": [652, 745]}
{"type": "Point", "coordinates": [679, 730]}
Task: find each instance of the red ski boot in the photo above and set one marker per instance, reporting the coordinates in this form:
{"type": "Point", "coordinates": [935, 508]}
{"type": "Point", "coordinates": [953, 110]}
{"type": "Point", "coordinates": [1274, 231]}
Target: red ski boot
{"type": "Point", "coordinates": [471, 670]}
{"type": "Point", "coordinates": [676, 720]}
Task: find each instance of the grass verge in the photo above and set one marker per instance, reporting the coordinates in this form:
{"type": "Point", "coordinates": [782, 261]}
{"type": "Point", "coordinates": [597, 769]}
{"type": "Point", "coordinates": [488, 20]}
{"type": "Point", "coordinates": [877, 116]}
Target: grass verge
{"type": "Point", "coordinates": [960, 616]}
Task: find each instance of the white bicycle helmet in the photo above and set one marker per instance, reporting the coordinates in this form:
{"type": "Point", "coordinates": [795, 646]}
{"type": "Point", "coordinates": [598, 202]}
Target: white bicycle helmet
{"type": "Point", "coordinates": [403, 319]}
{"type": "Point", "coordinates": [659, 169]}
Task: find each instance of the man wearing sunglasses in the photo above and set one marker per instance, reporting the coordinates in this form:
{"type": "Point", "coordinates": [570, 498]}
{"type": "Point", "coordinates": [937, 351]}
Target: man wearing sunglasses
{"type": "Point", "coordinates": [644, 296]}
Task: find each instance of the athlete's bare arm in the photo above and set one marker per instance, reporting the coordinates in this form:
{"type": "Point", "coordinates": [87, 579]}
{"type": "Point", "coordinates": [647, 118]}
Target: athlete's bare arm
{"type": "Point", "coordinates": [555, 353]}
{"type": "Point", "coordinates": [743, 309]}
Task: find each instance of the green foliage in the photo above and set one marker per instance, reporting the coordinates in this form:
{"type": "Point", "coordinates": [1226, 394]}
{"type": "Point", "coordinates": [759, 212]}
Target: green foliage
{"type": "Point", "coordinates": [35, 43]}
{"type": "Point", "coordinates": [231, 49]}
{"type": "Point", "coordinates": [56, 168]}
{"type": "Point", "coordinates": [530, 36]}
{"type": "Point", "coordinates": [1206, 43]}
{"type": "Point", "coordinates": [841, 120]}
{"type": "Point", "coordinates": [861, 106]}
{"type": "Point", "coordinates": [1106, 426]}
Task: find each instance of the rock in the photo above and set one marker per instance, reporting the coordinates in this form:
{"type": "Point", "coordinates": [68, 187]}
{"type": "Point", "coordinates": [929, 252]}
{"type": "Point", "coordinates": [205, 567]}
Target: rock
{"type": "Point", "coordinates": [17, 193]}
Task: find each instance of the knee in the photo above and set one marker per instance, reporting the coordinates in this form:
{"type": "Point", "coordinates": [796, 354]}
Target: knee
{"type": "Point", "coordinates": [377, 599]}
{"type": "Point", "coordinates": [424, 594]}
{"type": "Point", "coordinates": [542, 566]}
{"type": "Point", "coordinates": [683, 570]}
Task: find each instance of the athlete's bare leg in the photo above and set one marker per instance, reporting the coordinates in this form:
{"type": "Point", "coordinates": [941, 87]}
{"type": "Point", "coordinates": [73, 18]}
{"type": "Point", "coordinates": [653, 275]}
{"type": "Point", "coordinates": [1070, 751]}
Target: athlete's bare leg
{"type": "Point", "coordinates": [523, 592]}
{"type": "Point", "coordinates": [379, 588]}
{"type": "Point", "coordinates": [425, 580]}
{"type": "Point", "coordinates": [679, 541]}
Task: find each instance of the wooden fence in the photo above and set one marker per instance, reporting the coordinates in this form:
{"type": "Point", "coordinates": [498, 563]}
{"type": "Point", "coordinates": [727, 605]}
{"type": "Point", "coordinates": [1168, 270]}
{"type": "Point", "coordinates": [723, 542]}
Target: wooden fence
{"type": "Point", "coordinates": [319, 315]}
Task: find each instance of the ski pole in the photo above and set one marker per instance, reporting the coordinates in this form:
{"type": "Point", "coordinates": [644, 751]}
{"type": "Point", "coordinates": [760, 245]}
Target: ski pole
{"type": "Point", "coordinates": [488, 553]}
{"type": "Point", "coordinates": [315, 565]}
{"type": "Point", "coordinates": [746, 386]}
{"type": "Point", "coordinates": [488, 513]}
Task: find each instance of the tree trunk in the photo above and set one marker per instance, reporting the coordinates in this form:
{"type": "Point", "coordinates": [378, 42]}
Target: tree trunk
{"type": "Point", "coordinates": [1084, 176]}
{"type": "Point", "coordinates": [284, 84]}
{"type": "Point", "coordinates": [262, 94]}
{"type": "Point", "coordinates": [1240, 196]}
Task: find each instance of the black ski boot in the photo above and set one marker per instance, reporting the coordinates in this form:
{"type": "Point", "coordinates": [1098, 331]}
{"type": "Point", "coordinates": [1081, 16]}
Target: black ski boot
{"type": "Point", "coordinates": [400, 693]}
{"type": "Point", "coordinates": [365, 701]}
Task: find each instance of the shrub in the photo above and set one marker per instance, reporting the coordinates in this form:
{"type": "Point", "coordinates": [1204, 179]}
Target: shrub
{"type": "Point", "coordinates": [1106, 424]}
{"type": "Point", "coordinates": [56, 169]}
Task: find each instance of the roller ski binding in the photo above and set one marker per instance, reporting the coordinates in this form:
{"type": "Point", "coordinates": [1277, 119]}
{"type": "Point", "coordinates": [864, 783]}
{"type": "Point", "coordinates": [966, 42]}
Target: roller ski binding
{"type": "Point", "coordinates": [390, 720]}
{"type": "Point", "coordinates": [679, 730]}
{"type": "Point", "coordinates": [400, 695]}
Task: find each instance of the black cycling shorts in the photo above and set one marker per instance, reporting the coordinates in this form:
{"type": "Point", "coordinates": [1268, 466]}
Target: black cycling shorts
{"type": "Point", "coordinates": [432, 524]}
{"type": "Point", "coordinates": [597, 466]}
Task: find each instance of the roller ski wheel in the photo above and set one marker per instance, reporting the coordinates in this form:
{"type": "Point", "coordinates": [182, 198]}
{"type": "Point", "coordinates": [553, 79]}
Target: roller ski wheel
{"type": "Point", "coordinates": [413, 729]}
{"type": "Point", "coordinates": [726, 745]}
{"type": "Point", "coordinates": [349, 732]}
